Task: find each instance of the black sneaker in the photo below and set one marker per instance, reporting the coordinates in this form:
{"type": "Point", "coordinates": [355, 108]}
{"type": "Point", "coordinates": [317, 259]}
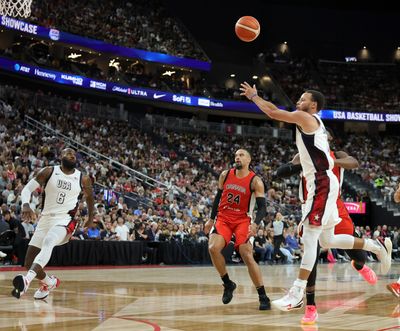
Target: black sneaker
{"type": "Point", "coordinates": [20, 286]}
{"type": "Point", "coordinates": [228, 292]}
{"type": "Point", "coordinates": [265, 304]}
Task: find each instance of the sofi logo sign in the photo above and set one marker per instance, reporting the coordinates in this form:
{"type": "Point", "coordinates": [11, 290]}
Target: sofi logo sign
{"type": "Point", "coordinates": [355, 207]}
{"type": "Point", "coordinates": [182, 99]}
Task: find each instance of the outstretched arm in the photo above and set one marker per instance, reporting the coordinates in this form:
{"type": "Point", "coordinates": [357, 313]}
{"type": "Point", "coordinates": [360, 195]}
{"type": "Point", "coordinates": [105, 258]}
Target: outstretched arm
{"type": "Point", "coordinates": [301, 118]}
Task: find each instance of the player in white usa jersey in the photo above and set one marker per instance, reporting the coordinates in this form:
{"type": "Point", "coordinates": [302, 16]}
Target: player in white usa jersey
{"type": "Point", "coordinates": [395, 287]}
{"type": "Point", "coordinates": [321, 214]}
{"type": "Point", "coordinates": [63, 186]}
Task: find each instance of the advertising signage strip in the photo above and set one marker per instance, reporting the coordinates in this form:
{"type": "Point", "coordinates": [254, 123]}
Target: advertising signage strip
{"type": "Point", "coordinates": [100, 46]}
{"type": "Point", "coordinates": [328, 114]}
{"type": "Point", "coordinates": [179, 99]}
{"type": "Point", "coordinates": [130, 91]}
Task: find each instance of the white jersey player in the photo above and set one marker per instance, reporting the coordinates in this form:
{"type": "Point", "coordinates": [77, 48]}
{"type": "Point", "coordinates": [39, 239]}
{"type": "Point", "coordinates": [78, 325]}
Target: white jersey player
{"type": "Point", "coordinates": [395, 287]}
{"type": "Point", "coordinates": [321, 182]}
{"type": "Point", "coordinates": [63, 187]}
{"type": "Point", "coordinates": [321, 213]}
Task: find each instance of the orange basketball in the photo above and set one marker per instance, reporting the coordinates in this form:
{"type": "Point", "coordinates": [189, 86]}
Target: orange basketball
{"type": "Point", "coordinates": [247, 28]}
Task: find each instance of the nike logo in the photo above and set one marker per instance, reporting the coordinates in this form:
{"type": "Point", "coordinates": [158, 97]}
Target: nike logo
{"type": "Point", "coordinates": [158, 96]}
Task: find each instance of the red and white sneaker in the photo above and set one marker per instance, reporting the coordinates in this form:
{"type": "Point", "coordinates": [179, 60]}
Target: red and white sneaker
{"type": "Point", "coordinates": [21, 285]}
{"type": "Point", "coordinates": [385, 255]}
{"type": "Point", "coordinates": [367, 273]}
{"type": "Point", "coordinates": [394, 288]}
{"type": "Point", "coordinates": [292, 300]}
{"type": "Point", "coordinates": [44, 290]}
{"type": "Point", "coordinates": [310, 315]}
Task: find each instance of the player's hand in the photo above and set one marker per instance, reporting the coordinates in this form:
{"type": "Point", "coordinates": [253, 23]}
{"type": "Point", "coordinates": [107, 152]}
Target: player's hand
{"type": "Point", "coordinates": [248, 91]}
{"type": "Point", "coordinates": [208, 226]}
{"type": "Point", "coordinates": [252, 230]}
{"type": "Point", "coordinates": [27, 213]}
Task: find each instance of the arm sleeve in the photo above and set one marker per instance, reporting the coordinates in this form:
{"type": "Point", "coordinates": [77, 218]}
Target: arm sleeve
{"type": "Point", "coordinates": [288, 169]}
{"type": "Point", "coordinates": [214, 209]}
{"type": "Point", "coordinates": [261, 209]}
{"type": "Point", "coordinates": [27, 191]}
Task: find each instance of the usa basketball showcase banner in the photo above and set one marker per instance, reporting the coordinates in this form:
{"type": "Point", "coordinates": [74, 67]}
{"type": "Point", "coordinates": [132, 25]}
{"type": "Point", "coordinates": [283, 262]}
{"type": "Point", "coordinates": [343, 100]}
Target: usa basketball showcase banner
{"type": "Point", "coordinates": [100, 46]}
{"type": "Point", "coordinates": [358, 116]}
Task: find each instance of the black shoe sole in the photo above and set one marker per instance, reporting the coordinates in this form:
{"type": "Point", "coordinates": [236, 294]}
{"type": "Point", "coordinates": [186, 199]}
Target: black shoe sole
{"type": "Point", "coordinates": [19, 285]}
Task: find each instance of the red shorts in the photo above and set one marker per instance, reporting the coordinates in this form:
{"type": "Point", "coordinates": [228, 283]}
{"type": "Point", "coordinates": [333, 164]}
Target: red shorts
{"type": "Point", "coordinates": [225, 228]}
{"type": "Point", "coordinates": [346, 225]}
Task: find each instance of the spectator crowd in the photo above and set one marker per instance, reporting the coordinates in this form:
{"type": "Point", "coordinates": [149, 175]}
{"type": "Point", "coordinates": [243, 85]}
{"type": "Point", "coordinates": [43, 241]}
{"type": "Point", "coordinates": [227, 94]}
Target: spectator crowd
{"type": "Point", "coordinates": [353, 86]}
{"type": "Point", "coordinates": [129, 209]}
{"type": "Point", "coordinates": [142, 24]}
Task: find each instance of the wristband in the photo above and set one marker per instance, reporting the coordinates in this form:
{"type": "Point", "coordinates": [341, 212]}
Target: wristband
{"type": "Point", "coordinates": [253, 95]}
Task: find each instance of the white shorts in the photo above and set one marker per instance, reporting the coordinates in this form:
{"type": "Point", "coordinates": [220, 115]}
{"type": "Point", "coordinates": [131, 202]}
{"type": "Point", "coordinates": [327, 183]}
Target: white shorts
{"type": "Point", "coordinates": [320, 208]}
{"type": "Point", "coordinates": [44, 225]}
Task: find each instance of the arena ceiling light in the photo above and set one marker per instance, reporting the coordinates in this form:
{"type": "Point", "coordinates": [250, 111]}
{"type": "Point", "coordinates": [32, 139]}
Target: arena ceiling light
{"type": "Point", "coordinates": [115, 64]}
{"type": "Point", "coordinates": [168, 73]}
{"type": "Point", "coordinates": [74, 56]}
{"type": "Point", "coordinates": [266, 78]}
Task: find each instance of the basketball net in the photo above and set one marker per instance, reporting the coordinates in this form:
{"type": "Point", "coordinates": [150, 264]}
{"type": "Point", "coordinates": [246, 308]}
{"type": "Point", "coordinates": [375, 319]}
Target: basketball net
{"type": "Point", "coordinates": [15, 8]}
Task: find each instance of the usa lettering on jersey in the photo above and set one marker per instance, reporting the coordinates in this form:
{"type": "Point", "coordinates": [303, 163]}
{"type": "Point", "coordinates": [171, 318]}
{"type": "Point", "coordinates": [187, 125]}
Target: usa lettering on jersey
{"type": "Point", "coordinates": [63, 184]}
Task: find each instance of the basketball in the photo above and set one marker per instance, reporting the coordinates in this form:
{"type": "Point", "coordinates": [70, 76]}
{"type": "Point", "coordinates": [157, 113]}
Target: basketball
{"type": "Point", "coordinates": [247, 28]}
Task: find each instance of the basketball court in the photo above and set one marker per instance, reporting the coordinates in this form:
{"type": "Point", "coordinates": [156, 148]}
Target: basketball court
{"type": "Point", "coordinates": [189, 298]}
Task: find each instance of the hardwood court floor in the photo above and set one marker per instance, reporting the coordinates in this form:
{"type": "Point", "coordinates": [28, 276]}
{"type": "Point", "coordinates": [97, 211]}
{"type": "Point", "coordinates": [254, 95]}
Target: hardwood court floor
{"type": "Point", "coordinates": [189, 298]}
